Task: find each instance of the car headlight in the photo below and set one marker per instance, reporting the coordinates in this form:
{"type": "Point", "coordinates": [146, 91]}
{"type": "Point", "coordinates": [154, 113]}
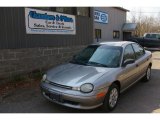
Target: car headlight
{"type": "Point", "coordinates": [44, 78]}
{"type": "Point", "coordinates": [86, 88]}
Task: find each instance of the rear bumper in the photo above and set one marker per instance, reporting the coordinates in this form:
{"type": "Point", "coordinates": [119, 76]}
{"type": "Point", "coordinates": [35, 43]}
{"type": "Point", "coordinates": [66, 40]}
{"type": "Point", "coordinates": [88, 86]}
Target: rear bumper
{"type": "Point", "coordinates": [73, 101]}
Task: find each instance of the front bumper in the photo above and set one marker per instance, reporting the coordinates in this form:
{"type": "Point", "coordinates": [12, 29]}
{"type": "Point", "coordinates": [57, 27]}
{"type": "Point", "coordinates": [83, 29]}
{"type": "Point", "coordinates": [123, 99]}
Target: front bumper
{"type": "Point", "coordinates": [71, 100]}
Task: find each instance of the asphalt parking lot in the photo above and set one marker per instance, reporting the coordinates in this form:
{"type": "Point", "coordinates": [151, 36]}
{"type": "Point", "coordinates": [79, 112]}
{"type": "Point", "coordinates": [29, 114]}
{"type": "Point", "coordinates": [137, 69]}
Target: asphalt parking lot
{"type": "Point", "coordinates": [141, 98]}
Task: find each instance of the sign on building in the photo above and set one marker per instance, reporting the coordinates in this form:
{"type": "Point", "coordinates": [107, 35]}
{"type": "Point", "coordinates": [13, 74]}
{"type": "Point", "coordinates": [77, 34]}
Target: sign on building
{"type": "Point", "coordinates": [100, 17]}
{"type": "Point", "coordinates": [46, 22]}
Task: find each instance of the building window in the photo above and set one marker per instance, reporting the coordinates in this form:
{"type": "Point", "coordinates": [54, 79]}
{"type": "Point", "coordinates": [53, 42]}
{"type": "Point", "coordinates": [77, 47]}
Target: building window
{"type": "Point", "coordinates": [67, 10]}
{"type": "Point", "coordinates": [83, 11]}
{"type": "Point", "coordinates": [97, 34]}
{"type": "Point", "coordinates": [116, 34]}
{"type": "Point", "coordinates": [43, 8]}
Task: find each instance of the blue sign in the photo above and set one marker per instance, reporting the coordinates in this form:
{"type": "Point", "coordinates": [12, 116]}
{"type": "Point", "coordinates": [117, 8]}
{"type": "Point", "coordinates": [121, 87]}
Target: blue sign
{"type": "Point", "coordinates": [45, 16]}
{"type": "Point", "coordinates": [100, 17]}
{"type": "Point", "coordinates": [47, 22]}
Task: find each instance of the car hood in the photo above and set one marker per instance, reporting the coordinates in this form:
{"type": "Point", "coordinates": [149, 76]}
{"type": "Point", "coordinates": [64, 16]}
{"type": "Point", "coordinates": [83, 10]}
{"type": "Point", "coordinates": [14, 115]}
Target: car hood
{"type": "Point", "coordinates": [75, 75]}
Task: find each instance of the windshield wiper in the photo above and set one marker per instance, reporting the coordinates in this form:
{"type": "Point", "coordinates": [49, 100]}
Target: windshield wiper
{"type": "Point", "coordinates": [97, 64]}
{"type": "Point", "coordinates": [77, 62]}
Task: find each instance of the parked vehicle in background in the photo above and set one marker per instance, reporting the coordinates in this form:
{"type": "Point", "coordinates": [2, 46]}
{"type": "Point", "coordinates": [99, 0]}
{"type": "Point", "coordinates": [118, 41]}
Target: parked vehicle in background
{"type": "Point", "coordinates": [97, 75]}
{"type": "Point", "coordinates": [150, 40]}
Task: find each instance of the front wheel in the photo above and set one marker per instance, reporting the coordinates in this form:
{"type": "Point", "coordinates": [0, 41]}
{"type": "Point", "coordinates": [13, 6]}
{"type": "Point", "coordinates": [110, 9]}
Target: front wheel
{"type": "Point", "coordinates": [111, 99]}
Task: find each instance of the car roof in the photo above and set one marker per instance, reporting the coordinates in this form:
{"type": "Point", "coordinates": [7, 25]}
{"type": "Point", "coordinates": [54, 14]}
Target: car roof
{"type": "Point", "coordinates": [114, 43]}
{"type": "Point", "coordinates": [152, 33]}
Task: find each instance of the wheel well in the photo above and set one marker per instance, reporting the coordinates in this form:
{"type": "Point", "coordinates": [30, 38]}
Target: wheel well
{"type": "Point", "coordinates": [150, 64]}
{"type": "Point", "coordinates": [117, 83]}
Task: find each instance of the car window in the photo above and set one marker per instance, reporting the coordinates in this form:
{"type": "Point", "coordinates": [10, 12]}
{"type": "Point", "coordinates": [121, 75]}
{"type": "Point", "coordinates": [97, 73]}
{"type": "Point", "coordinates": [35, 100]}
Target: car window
{"type": "Point", "coordinates": [139, 51]}
{"type": "Point", "coordinates": [147, 36]}
{"type": "Point", "coordinates": [158, 36]}
{"type": "Point", "coordinates": [128, 53]}
{"type": "Point", "coordinates": [108, 56]}
{"type": "Point", "coordinates": [87, 53]}
{"type": "Point", "coordinates": [152, 36]}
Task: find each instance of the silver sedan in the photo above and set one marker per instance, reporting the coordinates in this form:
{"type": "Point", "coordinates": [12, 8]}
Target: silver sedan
{"type": "Point", "coordinates": [97, 75]}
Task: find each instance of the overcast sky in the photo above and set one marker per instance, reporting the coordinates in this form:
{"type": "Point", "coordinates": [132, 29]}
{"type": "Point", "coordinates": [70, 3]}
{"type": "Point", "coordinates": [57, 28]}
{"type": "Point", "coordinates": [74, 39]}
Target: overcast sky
{"type": "Point", "coordinates": [147, 7]}
{"type": "Point", "coordinates": [128, 3]}
{"type": "Point", "coordinates": [146, 11]}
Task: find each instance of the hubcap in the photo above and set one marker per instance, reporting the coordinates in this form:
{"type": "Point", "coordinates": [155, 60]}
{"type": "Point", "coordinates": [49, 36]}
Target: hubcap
{"type": "Point", "coordinates": [113, 97]}
{"type": "Point", "coordinates": [148, 74]}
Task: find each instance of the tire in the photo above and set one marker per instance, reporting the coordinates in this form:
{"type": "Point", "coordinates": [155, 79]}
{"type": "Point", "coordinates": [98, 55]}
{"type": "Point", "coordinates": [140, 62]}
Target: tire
{"type": "Point", "coordinates": [147, 77]}
{"type": "Point", "coordinates": [108, 104]}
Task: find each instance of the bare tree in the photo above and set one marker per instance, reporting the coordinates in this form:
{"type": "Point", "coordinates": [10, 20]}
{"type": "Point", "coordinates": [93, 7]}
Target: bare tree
{"type": "Point", "coordinates": [145, 24]}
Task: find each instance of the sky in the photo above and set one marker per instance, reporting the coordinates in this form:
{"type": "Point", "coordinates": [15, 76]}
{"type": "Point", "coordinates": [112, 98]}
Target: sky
{"type": "Point", "coordinates": [147, 7]}
{"type": "Point", "coordinates": [128, 3]}
{"type": "Point", "coordinates": [146, 11]}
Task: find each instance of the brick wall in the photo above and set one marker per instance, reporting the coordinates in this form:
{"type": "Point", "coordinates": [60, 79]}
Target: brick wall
{"type": "Point", "coordinates": [18, 61]}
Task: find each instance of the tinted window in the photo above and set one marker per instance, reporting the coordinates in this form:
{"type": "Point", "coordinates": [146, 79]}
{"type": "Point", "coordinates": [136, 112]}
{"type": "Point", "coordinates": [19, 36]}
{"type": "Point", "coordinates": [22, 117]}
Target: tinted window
{"type": "Point", "coordinates": [128, 53]}
{"type": "Point", "coordinates": [154, 36]}
{"type": "Point", "coordinates": [83, 11]}
{"type": "Point", "coordinates": [98, 34]}
{"type": "Point", "coordinates": [107, 56]}
{"type": "Point", "coordinates": [67, 10]}
{"type": "Point", "coordinates": [138, 50]}
{"type": "Point", "coordinates": [116, 34]}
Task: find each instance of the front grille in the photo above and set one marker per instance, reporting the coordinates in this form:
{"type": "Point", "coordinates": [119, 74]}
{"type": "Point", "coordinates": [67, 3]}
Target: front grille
{"type": "Point", "coordinates": [55, 97]}
{"type": "Point", "coordinates": [70, 102]}
{"type": "Point", "coordinates": [62, 86]}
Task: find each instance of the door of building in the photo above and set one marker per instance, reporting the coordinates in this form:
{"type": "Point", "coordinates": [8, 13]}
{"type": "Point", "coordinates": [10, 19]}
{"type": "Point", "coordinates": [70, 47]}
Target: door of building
{"type": "Point", "coordinates": [127, 35]}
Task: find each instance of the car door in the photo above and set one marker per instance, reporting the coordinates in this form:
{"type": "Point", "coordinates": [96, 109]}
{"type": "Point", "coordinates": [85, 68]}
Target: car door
{"type": "Point", "coordinates": [129, 74]}
{"type": "Point", "coordinates": [141, 59]}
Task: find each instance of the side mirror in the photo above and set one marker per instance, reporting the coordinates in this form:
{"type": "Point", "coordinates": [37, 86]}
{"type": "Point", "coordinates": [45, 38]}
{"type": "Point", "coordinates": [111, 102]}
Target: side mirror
{"type": "Point", "coordinates": [128, 61]}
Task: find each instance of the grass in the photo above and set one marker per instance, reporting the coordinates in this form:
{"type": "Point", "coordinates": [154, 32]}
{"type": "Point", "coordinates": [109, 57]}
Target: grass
{"type": "Point", "coordinates": [37, 74]}
{"type": "Point", "coordinates": [34, 75]}
{"type": "Point", "coordinates": [28, 80]}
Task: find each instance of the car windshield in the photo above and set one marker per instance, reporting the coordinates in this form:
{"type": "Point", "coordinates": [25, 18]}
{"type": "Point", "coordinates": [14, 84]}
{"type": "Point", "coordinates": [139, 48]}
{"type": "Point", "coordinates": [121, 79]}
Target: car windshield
{"type": "Point", "coordinates": [101, 56]}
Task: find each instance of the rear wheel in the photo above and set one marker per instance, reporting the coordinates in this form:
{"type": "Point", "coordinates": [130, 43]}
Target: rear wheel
{"type": "Point", "coordinates": [111, 99]}
{"type": "Point", "coordinates": [147, 77]}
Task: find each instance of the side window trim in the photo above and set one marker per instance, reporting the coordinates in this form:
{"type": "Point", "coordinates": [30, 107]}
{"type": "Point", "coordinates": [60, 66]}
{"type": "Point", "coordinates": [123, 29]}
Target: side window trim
{"type": "Point", "coordinates": [124, 53]}
{"type": "Point", "coordinates": [135, 52]}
